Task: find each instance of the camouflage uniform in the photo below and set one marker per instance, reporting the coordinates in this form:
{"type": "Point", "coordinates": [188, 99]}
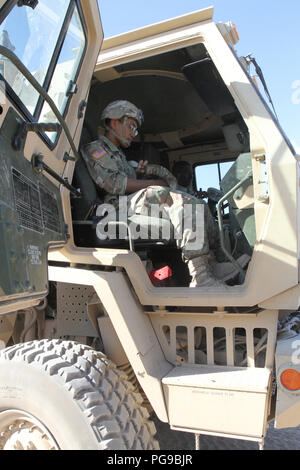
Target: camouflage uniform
{"type": "Point", "coordinates": [108, 167]}
{"type": "Point", "coordinates": [195, 233]}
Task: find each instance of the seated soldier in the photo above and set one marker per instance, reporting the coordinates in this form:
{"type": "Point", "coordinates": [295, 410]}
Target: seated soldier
{"type": "Point", "coordinates": [183, 174]}
{"type": "Point", "coordinates": [194, 229]}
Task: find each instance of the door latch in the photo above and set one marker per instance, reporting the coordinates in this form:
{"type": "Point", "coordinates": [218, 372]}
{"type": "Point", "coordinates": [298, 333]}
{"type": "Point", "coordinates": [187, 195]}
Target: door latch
{"type": "Point", "coordinates": [39, 166]}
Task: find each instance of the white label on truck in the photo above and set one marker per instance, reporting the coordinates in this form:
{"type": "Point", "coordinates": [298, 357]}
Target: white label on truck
{"type": "Point", "coordinates": [34, 254]}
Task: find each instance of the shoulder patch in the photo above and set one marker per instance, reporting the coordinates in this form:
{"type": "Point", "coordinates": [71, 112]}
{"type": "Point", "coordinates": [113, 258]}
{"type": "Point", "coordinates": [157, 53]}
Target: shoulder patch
{"type": "Point", "coordinates": [99, 153]}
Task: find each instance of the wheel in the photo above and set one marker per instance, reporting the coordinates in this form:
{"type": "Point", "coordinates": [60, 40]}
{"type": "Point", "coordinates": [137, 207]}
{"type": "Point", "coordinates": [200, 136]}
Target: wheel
{"type": "Point", "coordinates": [63, 395]}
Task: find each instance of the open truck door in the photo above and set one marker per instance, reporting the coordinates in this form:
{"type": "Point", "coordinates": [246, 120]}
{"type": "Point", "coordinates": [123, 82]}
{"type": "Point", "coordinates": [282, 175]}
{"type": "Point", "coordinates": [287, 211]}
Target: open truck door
{"type": "Point", "coordinates": [47, 55]}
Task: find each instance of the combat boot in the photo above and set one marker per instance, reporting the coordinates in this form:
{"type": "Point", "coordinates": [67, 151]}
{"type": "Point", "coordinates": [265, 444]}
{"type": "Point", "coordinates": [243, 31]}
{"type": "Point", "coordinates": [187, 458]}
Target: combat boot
{"type": "Point", "coordinates": [201, 272]}
{"type": "Point", "coordinates": [227, 271]}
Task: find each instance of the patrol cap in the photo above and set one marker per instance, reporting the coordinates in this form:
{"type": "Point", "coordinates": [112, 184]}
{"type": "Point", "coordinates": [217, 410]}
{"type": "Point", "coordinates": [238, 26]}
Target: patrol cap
{"type": "Point", "coordinates": [120, 108]}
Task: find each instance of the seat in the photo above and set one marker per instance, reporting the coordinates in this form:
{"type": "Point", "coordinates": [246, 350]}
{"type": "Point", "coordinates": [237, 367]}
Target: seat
{"type": "Point", "coordinates": [85, 220]}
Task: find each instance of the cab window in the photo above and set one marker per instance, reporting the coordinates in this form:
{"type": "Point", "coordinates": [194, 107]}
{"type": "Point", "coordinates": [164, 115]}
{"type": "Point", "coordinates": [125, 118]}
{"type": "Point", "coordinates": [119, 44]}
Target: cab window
{"type": "Point", "coordinates": [50, 41]}
{"type": "Point", "coordinates": [63, 84]}
{"type": "Point", "coordinates": [210, 175]}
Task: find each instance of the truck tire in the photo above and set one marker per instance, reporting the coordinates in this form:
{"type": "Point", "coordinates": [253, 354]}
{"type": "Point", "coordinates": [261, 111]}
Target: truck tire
{"type": "Point", "coordinates": [57, 394]}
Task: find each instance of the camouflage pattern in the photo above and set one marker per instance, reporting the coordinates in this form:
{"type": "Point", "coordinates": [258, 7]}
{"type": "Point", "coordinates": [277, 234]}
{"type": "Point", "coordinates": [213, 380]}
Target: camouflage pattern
{"type": "Point", "coordinates": [108, 167]}
{"type": "Point", "coordinates": [193, 226]}
{"type": "Point", "coordinates": [227, 271]}
{"type": "Point", "coordinates": [161, 172]}
{"type": "Point", "coordinates": [184, 189]}
{"type": "Point", "coordinates": [120, 108]}
{"type": "Point", "coordinates": [202, 274]}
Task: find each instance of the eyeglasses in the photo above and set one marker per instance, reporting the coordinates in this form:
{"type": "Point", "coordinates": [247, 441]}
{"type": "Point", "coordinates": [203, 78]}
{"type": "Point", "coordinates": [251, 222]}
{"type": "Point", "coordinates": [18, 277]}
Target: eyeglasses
{"type": "Point", "coordinates": [133, 129]}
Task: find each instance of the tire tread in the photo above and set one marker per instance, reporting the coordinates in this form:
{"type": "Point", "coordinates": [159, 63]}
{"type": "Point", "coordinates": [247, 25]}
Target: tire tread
{"type": "Point", "coordinates": [110, 405]}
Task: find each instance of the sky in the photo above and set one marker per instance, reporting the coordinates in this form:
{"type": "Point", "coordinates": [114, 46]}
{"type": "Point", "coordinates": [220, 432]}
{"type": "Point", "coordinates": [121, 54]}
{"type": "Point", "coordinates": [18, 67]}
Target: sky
{"type": "Point", "coordinates": [269, 29]}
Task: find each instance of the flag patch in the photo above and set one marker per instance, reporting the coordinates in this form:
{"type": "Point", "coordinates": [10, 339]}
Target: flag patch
{"type": "Point", "coordinates": [99, 153]}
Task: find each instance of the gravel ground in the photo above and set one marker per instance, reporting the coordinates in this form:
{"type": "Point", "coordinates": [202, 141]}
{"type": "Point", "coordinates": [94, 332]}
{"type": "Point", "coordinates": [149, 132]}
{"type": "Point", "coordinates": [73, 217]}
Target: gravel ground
{"type": "Point", "coordinates": [276, 439]}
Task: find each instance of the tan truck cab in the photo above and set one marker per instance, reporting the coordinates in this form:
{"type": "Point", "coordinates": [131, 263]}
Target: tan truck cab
{"type": "Point", "coordinates": [93, 338]}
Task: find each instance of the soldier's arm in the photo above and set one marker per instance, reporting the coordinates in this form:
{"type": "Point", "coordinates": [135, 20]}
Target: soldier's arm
{"type": "Point", "coordinates": [135, 185]}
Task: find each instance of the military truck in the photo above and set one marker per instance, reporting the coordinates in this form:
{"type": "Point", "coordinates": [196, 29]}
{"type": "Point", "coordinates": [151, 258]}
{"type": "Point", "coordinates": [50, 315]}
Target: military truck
{"type": "Point", "coordinates": [99, 334]}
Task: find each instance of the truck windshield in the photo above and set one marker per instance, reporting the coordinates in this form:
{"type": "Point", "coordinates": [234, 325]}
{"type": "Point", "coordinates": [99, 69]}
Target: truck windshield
{"type": "Point", "coordinates": [209, 175]}
{"type": "Point", "coordinates": [50, 41]}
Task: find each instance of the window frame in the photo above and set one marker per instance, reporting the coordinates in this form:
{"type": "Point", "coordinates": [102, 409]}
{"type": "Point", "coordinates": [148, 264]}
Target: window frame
{"type": "Point", "coordinates": [73, 4]}
{"type": "Point", "coordinates": [212, 162]}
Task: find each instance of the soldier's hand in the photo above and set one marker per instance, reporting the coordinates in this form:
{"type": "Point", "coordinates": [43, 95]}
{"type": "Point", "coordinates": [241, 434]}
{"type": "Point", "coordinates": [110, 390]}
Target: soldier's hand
{"type": "Point", "coordinates": [141, 169]}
